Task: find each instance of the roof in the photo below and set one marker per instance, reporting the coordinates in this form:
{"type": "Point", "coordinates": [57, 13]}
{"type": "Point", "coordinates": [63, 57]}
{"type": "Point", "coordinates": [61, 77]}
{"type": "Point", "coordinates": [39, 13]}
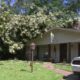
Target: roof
{"type": "Point", "coordinates": [66, 29]}
{"type": "Point", "coordinates": [59, 35]}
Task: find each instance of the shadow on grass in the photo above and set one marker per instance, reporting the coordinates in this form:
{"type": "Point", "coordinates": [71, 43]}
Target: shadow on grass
{"type": "Point", "coordinates": [72, 77]}
{"type": "Point", "coordinates": [1, 64]}
{"type": "Point", "coordinates": [24, 70]}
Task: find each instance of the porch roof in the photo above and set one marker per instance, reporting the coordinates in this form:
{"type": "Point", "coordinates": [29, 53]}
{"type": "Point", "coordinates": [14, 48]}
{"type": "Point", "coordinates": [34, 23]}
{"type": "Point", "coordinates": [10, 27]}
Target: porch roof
{"type": "Point", "coordinates": [57, 36]}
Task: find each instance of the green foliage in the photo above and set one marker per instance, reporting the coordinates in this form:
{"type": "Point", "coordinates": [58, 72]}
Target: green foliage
{"type": "Point", "coordinates": [16, 29]}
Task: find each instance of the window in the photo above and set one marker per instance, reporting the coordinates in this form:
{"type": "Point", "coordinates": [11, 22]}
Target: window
{"type": "Point", "coordinates": [77, 62]}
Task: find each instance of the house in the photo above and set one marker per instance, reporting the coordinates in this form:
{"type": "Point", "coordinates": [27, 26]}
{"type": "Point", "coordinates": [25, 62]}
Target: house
{"type": "Point", "coordinates": [58, 44]}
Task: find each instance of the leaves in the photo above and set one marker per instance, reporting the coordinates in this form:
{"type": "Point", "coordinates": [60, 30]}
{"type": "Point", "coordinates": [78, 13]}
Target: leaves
{"type": "Point", "coordinates": [39, 16]}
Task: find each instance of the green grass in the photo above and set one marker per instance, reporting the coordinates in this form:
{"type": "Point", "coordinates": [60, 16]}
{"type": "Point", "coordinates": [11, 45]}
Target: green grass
{"type": "Point", "coordinates": [20, 70]}
{"type": "Point", "coordinates": [63, 66]}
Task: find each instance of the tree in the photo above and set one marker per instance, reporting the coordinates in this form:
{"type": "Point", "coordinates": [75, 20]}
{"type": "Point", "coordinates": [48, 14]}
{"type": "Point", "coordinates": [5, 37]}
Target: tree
{"type": "Point", "coordinates": [16, 29]}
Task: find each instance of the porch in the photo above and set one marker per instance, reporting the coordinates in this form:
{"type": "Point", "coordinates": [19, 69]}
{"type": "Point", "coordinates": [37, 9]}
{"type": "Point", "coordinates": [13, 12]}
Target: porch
{"type": "Point", "coordinates": [57, 52]}
{"type": "Point", "coordinates": [59, 44]}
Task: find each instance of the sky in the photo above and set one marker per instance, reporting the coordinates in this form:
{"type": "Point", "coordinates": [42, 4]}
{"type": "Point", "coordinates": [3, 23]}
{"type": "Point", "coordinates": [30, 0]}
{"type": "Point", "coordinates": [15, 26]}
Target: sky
{"type": "Point", "coordinates": [11, 3]}
{"type": "Point", "coordinates": [65, 4]}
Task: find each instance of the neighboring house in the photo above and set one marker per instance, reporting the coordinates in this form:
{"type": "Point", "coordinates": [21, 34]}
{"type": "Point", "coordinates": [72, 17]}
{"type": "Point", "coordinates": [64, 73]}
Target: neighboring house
{"type": "Point", "coordinates": [59, 44]}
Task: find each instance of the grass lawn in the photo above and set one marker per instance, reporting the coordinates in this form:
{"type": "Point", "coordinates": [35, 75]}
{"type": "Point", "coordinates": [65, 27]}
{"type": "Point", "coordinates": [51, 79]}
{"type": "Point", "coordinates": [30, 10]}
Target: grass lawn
{"type": "Point", "coordinates": [63, 66]}
{"type": "Point", "coordinates": [20, 70]}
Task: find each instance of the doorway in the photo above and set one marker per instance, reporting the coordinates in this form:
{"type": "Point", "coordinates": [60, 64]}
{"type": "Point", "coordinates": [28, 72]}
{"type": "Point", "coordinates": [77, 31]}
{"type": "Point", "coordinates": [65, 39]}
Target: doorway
{"type": "Point", "coordinates": [63, 52]}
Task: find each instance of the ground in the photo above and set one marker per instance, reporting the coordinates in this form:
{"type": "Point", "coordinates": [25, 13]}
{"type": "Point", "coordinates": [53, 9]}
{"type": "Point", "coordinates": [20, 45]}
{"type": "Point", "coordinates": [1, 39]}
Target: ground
{"type": "Point", "coordinates": [63, 66]}
{"type": "Point", "coordinates": [20, 70]}
{"type": "Point", "coordinates": [64, 69]}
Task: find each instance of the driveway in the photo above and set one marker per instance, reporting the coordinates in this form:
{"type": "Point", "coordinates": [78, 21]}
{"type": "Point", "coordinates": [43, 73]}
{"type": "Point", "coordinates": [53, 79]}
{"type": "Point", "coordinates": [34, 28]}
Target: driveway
{"type": "Point", "coordinates": [71, 77]}
{"type": "Point", "coordinates": [66, 74]}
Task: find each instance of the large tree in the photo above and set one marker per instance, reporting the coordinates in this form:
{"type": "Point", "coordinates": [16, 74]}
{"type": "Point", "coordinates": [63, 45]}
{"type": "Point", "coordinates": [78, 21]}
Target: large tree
{"type": "Point", "coordinates": [16, 30]}
{"type": "Point", "coordinates": [38, 16]}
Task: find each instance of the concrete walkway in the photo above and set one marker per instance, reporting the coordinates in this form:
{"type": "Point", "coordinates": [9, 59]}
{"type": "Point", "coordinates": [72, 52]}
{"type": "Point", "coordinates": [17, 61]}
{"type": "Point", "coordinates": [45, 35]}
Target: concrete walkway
{"type": "Point", "coordinates": [66, 74]}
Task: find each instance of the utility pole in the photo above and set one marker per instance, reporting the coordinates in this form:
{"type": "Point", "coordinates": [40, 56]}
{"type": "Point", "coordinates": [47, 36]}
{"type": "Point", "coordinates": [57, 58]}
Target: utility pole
{"type": "Point", "coordinates": [32, 48]}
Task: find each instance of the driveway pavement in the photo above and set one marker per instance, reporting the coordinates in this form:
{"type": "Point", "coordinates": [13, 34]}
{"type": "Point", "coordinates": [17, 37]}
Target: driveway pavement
{"type": "Point", "coordinates": [71, 77]}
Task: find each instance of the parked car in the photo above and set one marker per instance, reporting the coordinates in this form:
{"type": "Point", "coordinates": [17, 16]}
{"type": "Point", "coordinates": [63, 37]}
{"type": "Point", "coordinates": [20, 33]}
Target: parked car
{"type": "Point", "coordinates": [75, 63]}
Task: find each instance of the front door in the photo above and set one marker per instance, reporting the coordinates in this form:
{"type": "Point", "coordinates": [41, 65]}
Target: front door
{"type": "Point", "coordinates": [63, 52]}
